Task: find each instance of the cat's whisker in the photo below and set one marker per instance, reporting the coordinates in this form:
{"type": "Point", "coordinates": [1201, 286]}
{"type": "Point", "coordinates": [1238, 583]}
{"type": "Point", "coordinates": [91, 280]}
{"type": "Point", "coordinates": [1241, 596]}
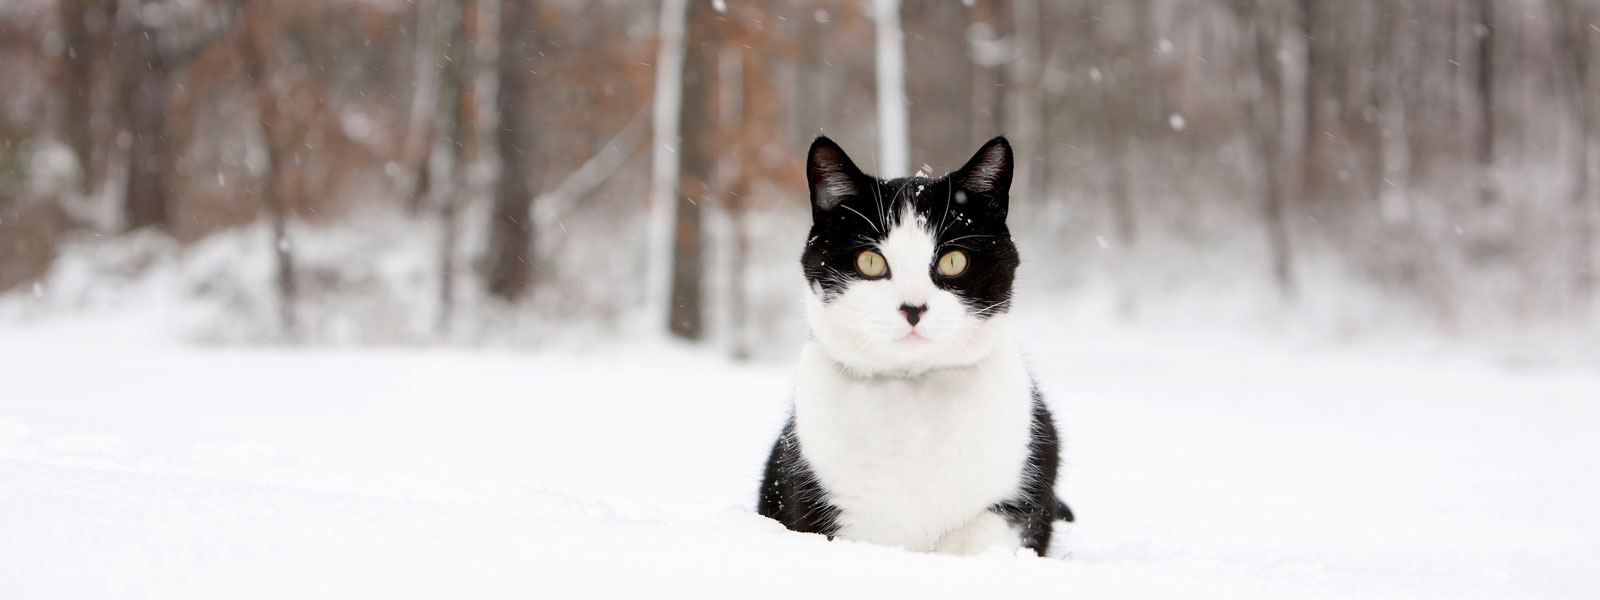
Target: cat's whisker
{"type": "Point", "coordinates": [970, 236]}
{"type": "Point", "coordinates": [877, 195]}
{"type": "Point", "coordinates": [863, 217]}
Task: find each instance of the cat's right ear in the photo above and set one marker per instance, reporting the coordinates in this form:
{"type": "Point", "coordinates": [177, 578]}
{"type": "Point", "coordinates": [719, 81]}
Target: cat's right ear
{"type": "Point", "coordinates": [831, 175]}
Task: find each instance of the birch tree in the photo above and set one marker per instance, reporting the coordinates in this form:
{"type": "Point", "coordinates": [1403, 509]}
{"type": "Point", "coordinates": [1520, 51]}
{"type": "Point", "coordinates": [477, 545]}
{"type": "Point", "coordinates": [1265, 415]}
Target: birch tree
{"type": "Point", "coordinates": [664, 158]}
{"type": "Point", "coordinates": [893, 129]}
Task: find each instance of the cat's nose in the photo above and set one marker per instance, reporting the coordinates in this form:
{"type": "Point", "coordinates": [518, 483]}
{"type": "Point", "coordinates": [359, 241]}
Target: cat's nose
{"type": "Point", "coordinates": [913, 313]}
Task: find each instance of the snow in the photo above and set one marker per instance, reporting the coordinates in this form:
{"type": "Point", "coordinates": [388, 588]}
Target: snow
{"type": "Point", "coordinates": [1199, 467]}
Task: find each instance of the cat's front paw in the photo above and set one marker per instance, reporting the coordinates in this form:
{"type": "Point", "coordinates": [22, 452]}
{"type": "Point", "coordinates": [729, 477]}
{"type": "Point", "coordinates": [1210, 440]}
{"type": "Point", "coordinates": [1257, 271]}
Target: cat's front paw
{"type": "Point", "coordinates": [981, 534]}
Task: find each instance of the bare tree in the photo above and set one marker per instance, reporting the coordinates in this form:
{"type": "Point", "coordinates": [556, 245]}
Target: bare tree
{"type": "Point", "coordinates": [1262, 29]}
{"type": "Point", "coordinates": [1485, 145]}
{"type": "Point", "coordinates": [666, 117]}
{"type": "Point", "coordinates": [457, 123]}
{"type": "Point", "coordinates": [1311, 92]}
{"type": "Point", "coordinates": [511, 225]}
{"type": "Point", "coordinates": [259, 58]}
{"type": "Point", "coordinates": [145, 85]}
{"type": "Point", "coordinates": [1133, 126]}
{"type": "Point", "coordinates": [1573, 46]}
{"type": "Point", "coordinates": [987, 46]}
{"type": "Point", "coordinates": [1027, 98]}
{"type": "Point", "coordinates": [939, 79]}
{"type": "Point", "coordinates": [419, 135]}
{"type": "Point", "coordinates": [1393, 182]}
{"type": "Point", "coordinates": [146, 76]}
{"type": "Point", "coordinates": [79, 47]}
{"type": "Point", "coordinates": [686, 318]}
{"type": "Point", "coordinates": [736, 107]}
{"type": "Point", "coordinates": [893, 130]}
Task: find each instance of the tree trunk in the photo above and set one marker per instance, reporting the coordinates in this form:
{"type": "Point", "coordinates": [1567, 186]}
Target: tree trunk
{"type": "Point", "coordinates": [255, 52]}
{"type": "Point", "coordinates": [893, 122]}
{"type": "Point", "coordinates": [1393, 187]}
{"type": "Point", "coordinates": [1027, 99]}
{"type": "Point", "coordinates": [939, 74]}
{"type": "Point", "coordinates": [78, 50]}
{"type": "Point", "coordinates": [424, 101]}
{"type": "Point", "coordinates": [1574, 47]}
{"type": "Point", "coordinates": [511, 226]}
{"type": "Point", "coordinates": [1311, 154]}
{"type": "Point", "coordinates": [1458, 85]}
{"type": "Point", "coordinates": [989, 79]}
{"type": "Point", "coordinates": [741, 121]}
{"type": "Point", "coordinates": [666, 113]}
{"type": "Point", "coordinates": [1123, 213]}
{"type": "Point", "coordinates": [145, 85]}
{"type": "Point", "coordinates": [686, 318]}
{"type": "Point", "coordinates": [456, 115]}
{"type": "Point", "coordinates": [144, 88]}
{"type": "Point", "coordinates": [1485, 145]}
{"type": "Point", "coordinates": [1270, 145]}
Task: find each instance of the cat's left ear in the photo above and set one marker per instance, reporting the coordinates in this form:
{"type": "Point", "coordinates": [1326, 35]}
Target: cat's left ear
{"type": "Point", "coordinates": [987, 176]}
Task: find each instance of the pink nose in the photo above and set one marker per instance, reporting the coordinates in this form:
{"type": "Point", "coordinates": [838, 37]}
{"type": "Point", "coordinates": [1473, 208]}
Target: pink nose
{"type": "Point", "coordinates": [913, 313]}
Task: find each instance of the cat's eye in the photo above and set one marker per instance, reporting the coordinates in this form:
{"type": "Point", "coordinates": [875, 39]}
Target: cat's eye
{"type": "Point", "coordinates": [953, 263]}
{"type": "Point", "coordinates": [871, 264]}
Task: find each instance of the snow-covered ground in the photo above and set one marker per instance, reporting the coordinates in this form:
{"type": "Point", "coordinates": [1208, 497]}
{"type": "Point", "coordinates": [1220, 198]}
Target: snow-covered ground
{"type": "Point", "coordinates": [1197, 467]}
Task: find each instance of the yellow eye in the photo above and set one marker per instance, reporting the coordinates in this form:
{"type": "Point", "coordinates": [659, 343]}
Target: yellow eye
{"type": "Point", "coordinates": [953, 263]}
{"type": "Point", "coordinates": [871, 264]}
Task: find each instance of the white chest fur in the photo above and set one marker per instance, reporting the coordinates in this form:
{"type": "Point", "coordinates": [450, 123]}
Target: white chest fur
{"type": "Point", "coordinates": [908, 460]}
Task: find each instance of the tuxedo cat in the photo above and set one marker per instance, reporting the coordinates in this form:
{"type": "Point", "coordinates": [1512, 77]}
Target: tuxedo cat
{"type": "Point", "coordinates": [916, 423]}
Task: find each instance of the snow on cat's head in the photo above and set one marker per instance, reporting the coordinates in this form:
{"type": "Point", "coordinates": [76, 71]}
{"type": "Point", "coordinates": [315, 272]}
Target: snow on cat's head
{"type": "Point", "coordinates": [910, 274]}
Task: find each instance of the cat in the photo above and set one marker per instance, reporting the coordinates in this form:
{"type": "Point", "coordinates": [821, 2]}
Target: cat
{"type": "Point", "coordinates": [915, 423]}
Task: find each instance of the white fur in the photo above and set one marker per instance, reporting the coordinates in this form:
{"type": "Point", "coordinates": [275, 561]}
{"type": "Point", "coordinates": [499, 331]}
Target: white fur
{"type": "Point", "coordinates": [864, 330]}
{"type": "Point", "coordinates": [914, 439]}
{"type": "Point", "coordinates": [988, 530]}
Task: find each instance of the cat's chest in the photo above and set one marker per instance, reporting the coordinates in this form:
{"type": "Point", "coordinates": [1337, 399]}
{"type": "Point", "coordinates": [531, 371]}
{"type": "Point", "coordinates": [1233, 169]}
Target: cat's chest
{"type": "Point", "coordinates": [908, 459]}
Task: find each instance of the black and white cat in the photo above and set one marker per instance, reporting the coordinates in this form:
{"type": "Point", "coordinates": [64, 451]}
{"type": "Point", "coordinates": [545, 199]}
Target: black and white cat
{"type": "Point", "coordinates": [916, 423]}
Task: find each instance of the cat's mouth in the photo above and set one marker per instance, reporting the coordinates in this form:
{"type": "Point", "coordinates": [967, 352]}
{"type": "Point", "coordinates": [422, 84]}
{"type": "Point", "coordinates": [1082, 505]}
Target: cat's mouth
{"type": "Point", "coordinates": [913, 336]}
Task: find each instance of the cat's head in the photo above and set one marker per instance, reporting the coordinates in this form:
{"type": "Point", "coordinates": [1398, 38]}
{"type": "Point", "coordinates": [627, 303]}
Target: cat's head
{"type": "Point", "coordinates": [909, 274]}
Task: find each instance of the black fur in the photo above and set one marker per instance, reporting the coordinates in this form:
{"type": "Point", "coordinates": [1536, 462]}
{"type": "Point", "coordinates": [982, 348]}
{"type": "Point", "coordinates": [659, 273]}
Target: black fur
{"type": "Point", "coordinates": [790, 493]}
{"type": "Point", "coordinates": [1037, 507]}
{"type": "Point", "coordinates": [966, 209]}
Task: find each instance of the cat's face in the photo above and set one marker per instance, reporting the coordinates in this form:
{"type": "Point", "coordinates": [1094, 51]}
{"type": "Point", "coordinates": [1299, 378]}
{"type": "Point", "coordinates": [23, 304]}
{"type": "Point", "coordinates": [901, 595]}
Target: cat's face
{"type": "Point", "coordinates": [909, 274]}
